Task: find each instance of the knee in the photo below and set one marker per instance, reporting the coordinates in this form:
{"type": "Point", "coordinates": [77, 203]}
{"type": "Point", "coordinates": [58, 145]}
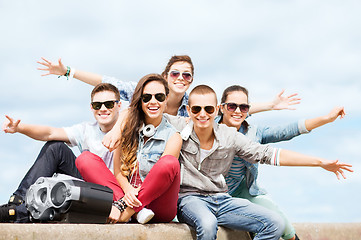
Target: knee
{"type": "Point", "coordinates": [281, 225]}
{"type": "Point", "coordinates": [170, 163]}
{"type": "Point", "coordinates": [277, 225]}
{"type": "Point", "coordinates": [52, 152]}
{"type": "Point", "coordinates": [83, 160]}
{"type": "Point", "coordinates": [54, 146]}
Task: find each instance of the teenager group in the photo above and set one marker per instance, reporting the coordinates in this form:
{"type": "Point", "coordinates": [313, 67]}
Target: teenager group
{"type": "Point", "coordinates": [175, 154]}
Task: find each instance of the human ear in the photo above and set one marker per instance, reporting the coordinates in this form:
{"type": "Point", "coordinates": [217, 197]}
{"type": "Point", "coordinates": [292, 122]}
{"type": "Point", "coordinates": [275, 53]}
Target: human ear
{"type": "Point", "coordinates": [221, 107]}
{"type": "Point", "coordinates": [188, 110]}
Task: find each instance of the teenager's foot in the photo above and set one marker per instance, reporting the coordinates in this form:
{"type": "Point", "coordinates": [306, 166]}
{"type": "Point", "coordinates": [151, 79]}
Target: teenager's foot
{"type": "Point", "coordinates": [7, 213]}
{"type": "Point", "coordinates": [16, 200]}
{"type": "Point", "coordinates": [145, 215]}
{"type": "Point", "coordinates": [126, 215]}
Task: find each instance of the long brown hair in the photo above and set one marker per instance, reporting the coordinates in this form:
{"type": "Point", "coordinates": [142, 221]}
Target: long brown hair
{"type": "Point", "coordinates": [226, 92]}
{"type": "Point", "coordinates": [134, 121]}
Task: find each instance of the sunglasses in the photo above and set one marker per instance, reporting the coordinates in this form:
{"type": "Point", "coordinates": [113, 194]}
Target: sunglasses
{"type": "Point", "coordinates": [197, 109]}
{"type": "Point", "coordinates": [107, 104]}
{"type": "Point", "coordinates": [160, 97]}
{"type": "Point", "coordinates": [186, 75]}
{"type": "Point", "coordinates": [233, 107]}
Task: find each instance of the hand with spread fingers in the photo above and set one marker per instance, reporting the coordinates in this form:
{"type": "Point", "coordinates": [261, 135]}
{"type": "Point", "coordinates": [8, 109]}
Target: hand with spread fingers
{"type": "Point", "coordinates": [336, 167]}
{"type": "Point", "coordinates": [282, 102]}
{"type": "Point", "coordinates": [52, 68]}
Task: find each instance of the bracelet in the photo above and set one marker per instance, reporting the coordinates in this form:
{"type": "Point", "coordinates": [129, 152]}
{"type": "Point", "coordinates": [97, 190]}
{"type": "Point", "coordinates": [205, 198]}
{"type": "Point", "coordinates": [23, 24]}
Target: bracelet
{"type": "Point", "coordinates": [120, 204]}
{"type": "Point", "coordinates": [71, 75]}
{"type": "Point", "coordinates": [67, 73]}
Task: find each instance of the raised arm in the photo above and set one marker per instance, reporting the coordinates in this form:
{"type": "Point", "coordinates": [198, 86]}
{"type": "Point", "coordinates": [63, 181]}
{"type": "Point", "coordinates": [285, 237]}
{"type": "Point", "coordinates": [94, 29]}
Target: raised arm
{"type": "Point", "coordinates": [286, 132]}
{"type": "Point", "coordinates": [60, 69]}
{"type": "Point", "coordinates": [265, 154]}
{"type": "Point", "coordinates": [322, 120]}
{"type": "Point", "coordinates": [37, 132]}
{"type": "Point", "coordinates": [126, 88]}
{"type": "Point", "coordinates": [290, 158]}
{"type": "Point", "coordinates": [280, 102]}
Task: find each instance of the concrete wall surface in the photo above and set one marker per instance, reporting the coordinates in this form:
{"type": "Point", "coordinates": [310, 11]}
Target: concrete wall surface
{"type": "Point", "coordinates": [172, 231]}
{"type": "Point", "coordinates": [328, 231]}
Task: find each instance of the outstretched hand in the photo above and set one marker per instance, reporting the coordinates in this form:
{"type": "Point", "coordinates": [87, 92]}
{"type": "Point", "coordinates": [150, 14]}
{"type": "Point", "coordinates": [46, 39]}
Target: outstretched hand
{"type": "Point", "coordinates": [282, 102]}
{"type": "Point", "coordinates": [335, 112]}
{"type": "Point", "coordinates": [9, 125]}
{"type": "Point", "coordinates": [337, 168]}
{"type": "Point", "coordinates": [52, 68]}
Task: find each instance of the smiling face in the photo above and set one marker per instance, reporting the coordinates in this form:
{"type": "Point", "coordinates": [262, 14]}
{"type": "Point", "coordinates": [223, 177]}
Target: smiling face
{"type": "Point", "coordinates": [202, 119]}
{"type": "Point", "coordinates": [105, 117]}
{"type": "Point", "coordinates": [153, 109]}
{"type": "Point", "coordinates": [234, 119]}
{"type": "Point", "coordinates": [179, 85]}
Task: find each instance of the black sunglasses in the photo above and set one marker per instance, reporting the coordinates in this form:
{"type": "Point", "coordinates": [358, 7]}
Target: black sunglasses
{"type": "Point", "coordinates": [186, 75]}
{"type": "Point", "coordinates": [107, 104]}
{"type": "Point", "coordinates": [197, 109]}
{"type": "Point", "coordinates": [233, 107]}
{"type": "Point", "coordinates": [160, 97]}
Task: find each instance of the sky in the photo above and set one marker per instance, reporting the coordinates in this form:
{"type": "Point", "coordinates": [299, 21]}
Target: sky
{"type": "Point", "coordinates": [307, 47]}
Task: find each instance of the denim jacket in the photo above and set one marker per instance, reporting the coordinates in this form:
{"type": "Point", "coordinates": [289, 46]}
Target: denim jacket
{"type": "Point", "coordinates": [207, 177]}
{"type": "Point", "coordinates": [241, 169]}
{"type": "Point", "coordinates": [126, 90]}
{"type": "Point", "coordinates": [150, 151]}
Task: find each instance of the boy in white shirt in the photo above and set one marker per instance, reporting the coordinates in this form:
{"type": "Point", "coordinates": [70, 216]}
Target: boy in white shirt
{"type": "Point", "coordinates": [56, 156]}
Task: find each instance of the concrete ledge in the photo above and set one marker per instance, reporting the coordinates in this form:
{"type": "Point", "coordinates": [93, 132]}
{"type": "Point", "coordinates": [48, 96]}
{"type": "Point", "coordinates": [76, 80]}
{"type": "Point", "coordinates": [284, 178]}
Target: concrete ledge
{"type": "Point", "coordinates": [328, 231]}
{"type": "Point", "coordinates": [173, 231]}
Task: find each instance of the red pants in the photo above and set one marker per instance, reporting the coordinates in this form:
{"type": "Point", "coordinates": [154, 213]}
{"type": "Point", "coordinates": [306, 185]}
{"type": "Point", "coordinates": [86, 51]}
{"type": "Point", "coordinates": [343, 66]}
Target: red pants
{"type": "Point", "coordinates": [159, 190]}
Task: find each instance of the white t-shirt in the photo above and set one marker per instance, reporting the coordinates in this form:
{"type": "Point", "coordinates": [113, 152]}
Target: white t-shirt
{"type": "Point", "coordinates": [88, 137]}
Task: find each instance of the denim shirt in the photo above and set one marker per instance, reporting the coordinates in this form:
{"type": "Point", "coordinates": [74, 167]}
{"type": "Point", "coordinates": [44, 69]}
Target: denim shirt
{"type": "Point", "coordinates": [241, 169]}
{"type": "Point", "coordinates": [126, 90]}
{"type": "Point", "coordinates": [150, 151]}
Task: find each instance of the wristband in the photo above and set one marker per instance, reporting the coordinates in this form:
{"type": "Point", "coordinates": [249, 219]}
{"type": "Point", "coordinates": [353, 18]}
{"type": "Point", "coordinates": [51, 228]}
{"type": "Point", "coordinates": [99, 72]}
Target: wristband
{"type": "Point", "coordinates": [120, 204]}
{"type": "Point", "coordinates": [67, 73]}
{"type": "Point", "coordinates": [71, 75]}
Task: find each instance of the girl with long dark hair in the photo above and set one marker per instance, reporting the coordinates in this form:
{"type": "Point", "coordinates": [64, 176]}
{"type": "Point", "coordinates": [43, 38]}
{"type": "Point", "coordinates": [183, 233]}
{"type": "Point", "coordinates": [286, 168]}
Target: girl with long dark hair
{"type": "Point", "coordinates": [146, 169]}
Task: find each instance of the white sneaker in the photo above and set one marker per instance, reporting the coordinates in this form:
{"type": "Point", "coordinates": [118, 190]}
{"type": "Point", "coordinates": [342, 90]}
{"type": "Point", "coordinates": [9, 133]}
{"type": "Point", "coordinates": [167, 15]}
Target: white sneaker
{"type": "Point", "coordinates": [145, 215]}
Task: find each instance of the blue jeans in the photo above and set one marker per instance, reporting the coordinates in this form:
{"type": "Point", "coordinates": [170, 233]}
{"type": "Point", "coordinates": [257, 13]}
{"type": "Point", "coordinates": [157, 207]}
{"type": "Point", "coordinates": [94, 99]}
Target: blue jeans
{"type": "Point", "coordinates": [54, 157]}
{"type": "Point", "coordinates": [206, 212]}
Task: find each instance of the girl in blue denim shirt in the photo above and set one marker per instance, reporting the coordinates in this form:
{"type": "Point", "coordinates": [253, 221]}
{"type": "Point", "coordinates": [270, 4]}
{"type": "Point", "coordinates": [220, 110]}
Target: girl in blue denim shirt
{"type": "Point", "coordinates": [146, 176]}
{"type": "Point", "coordinates": [242, 176]}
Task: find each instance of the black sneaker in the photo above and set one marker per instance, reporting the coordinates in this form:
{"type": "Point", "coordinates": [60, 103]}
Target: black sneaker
{"type": "Point", "coordinates": [16, 200]}
{"type": "Point", "coordinates": [7, 213]}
